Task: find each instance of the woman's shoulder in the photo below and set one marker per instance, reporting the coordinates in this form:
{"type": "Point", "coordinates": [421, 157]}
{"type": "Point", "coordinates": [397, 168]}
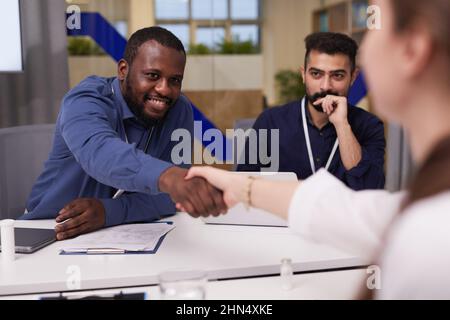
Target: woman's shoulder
{"type": "Point", "coordinates": [437, 205]}
{"type": "Point", "coordinates": [426, 217]}
{"type": "Point", "coordinates": [415, 259]}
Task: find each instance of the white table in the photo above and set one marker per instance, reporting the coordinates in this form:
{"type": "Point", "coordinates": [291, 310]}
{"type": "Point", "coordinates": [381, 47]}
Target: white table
{"type": "Point", "coordinates": [336, 285]}
{"type": "Point", "coordinates": [223, 251]}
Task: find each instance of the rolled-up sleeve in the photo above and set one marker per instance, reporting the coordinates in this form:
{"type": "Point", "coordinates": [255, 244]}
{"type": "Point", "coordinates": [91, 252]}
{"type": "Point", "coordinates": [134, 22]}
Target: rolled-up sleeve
{"type": "Point", "coordinates": [369, 173]}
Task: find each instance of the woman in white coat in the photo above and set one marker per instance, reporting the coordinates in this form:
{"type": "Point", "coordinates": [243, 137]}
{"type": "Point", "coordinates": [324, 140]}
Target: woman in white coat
{"type": "Point", "coordinates": [407, 67]}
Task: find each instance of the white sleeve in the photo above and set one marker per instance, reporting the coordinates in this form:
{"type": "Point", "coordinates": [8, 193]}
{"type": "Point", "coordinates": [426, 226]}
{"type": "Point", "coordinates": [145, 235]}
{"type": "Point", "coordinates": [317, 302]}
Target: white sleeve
{"type": "Point", "coordinates": [323, 209]}
{"type": "Point", "coordinates": [415, 262]}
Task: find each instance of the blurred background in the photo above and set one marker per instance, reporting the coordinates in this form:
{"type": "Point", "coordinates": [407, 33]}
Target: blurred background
{"type": "Point", "coordinates": [243, 56]}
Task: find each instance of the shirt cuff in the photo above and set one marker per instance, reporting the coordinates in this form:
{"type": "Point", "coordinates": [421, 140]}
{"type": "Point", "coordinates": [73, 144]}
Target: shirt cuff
{"type": "Point", "coordinates": [308, 193]}
{"type": "Point", "coordinates": [361, 168]}
{"type": "Point", "coordinates": [147, 178]}
{"type": "Point", "coordinates": [114, 212]}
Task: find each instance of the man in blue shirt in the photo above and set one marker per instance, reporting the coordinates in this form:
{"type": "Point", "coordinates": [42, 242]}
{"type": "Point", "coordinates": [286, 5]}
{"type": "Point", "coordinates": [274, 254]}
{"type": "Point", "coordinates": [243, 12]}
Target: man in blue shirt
{"type": "Point", "coordinates": [111, 157]}
{"type": "Point", "coordinates": [323, 130]}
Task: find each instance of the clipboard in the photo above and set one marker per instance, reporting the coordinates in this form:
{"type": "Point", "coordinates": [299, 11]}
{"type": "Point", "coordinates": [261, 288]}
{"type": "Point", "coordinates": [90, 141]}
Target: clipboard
{"type": "Point", "coordinates": [103, 251]}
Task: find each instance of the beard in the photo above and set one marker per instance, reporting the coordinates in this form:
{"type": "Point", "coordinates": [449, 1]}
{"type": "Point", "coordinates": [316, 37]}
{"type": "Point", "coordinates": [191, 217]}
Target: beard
{"type": "Point", "coordinates": [137, 107]}
{"type": "Point", "coordinates": [318, 95]}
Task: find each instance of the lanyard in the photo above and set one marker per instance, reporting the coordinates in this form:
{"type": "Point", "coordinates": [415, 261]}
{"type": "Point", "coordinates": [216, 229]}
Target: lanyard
{"type": "Point", "coordinates": [308, 142]}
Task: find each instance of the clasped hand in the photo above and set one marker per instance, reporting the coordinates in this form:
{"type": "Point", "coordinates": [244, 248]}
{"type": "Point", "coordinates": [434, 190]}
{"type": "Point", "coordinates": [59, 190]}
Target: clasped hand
{"type": "Point", "coordinates": [195, 195]}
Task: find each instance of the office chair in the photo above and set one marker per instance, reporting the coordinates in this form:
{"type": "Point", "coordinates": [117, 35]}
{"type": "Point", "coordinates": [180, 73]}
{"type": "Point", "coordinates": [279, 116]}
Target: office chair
{"type": "Point", "coordinates": [23, 151]}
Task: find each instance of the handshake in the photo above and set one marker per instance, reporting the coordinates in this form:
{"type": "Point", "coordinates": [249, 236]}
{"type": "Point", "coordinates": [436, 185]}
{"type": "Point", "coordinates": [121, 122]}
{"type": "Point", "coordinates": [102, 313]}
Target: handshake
{"type": "Point", "coordinates": [201, 191]}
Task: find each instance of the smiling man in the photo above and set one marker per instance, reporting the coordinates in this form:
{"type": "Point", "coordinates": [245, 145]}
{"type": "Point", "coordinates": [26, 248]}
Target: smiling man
{"type": "Point", "coordinates": [110, 161]}
{"type": "Point", "coordinates": [323, 130]}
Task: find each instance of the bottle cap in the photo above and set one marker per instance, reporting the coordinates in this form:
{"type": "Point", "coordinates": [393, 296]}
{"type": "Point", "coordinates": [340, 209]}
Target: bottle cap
{"type": "Point", "coordinates": [6, 223]}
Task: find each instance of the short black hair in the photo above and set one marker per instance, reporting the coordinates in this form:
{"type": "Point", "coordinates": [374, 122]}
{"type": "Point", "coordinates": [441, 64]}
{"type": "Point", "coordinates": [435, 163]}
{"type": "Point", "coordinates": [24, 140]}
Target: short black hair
{"type": "Point", "coordinates": [332, 43]}
{"type": "Point", "coordinates": [163, 36]}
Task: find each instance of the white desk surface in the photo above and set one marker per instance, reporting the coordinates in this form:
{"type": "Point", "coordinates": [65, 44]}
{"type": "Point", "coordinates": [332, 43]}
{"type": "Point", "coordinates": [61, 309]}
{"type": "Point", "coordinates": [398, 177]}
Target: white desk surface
{"type": "Point", "coordinates": [223, 251]}
{"type": "Point", "coordinates": [335, 285]}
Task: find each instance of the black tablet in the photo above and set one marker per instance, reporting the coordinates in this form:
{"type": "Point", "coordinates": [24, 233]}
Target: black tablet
{"type": "Point", "coordinates": [29, 240]}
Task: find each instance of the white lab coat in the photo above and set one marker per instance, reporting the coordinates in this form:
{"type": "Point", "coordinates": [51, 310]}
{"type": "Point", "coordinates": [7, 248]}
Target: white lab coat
{"type": "Point", "coordinates": [414, 245]}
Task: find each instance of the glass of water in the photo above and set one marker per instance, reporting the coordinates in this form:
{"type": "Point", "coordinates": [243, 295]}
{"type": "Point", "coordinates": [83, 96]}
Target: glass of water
{"type": "Point", "coordinates": [183, 284]}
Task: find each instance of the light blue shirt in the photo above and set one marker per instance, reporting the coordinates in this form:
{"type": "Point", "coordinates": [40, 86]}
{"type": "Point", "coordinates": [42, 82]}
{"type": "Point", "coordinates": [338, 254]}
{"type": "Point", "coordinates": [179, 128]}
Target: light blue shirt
{"type": "Point", "coordinates": [91, 158]}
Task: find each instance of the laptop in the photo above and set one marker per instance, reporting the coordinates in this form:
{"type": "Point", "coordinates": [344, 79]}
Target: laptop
{"type": "Point", "coordinates": [29, 240]}
{"type": "Point", "coordinates": [238, 215]}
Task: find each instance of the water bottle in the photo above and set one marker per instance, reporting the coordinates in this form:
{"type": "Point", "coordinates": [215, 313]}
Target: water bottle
{"type": "Point", "coordinates": [286, 274]}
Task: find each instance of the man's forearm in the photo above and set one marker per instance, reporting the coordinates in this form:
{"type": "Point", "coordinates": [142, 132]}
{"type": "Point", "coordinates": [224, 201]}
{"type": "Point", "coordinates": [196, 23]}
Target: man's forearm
{"type": "Point", "coordinates": [349, 147]}
{"type": "Point", "coordinates": [134, 207]}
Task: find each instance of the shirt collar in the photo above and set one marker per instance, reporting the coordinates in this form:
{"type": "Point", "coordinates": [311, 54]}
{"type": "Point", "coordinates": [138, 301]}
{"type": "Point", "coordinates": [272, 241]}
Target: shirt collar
{"type": "Point", "coordinates": [126, 112]}
{"type": "Point", "coordinates": [308, 114]}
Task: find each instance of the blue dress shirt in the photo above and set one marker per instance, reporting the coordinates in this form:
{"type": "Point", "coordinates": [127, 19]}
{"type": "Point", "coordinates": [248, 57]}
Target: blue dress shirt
{"type": "Point", "coordinates": [293, 154]}
{"type": "Point", "coordinates": [91, 158]}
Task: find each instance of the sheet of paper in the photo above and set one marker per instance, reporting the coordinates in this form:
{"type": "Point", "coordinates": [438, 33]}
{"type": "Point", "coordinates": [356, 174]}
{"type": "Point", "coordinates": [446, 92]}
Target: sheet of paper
{"type": "Point", "coordinates": [142, 236]}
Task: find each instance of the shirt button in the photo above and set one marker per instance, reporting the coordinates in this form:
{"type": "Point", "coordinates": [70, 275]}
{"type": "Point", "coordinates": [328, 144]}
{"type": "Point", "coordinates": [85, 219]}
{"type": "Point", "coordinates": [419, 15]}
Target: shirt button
{"type": "Point", "coordinates": [318, 159]}
{"type": "Point", "coordinates": [321, 134]}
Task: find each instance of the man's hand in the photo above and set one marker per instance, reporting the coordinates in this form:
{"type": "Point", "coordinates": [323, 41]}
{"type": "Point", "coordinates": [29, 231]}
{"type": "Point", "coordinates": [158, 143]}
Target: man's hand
{"type": "Point", "coordinates": [196, 196]}
{"type": "Point", "coordinates": [336, 109]}
{"type": "Point", "coordinates": [233, 186]}
{"type": "Point", "coordinates": [349, 148]}
{"type": "Point", "coordinates": [84, 214]}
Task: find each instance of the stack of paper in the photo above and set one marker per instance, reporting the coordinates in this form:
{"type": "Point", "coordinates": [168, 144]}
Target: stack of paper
{"type": "Point", "coordinates": [119, 239]}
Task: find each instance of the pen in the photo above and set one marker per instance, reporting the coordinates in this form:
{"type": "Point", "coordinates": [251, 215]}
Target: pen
{"type": "Point", "coordinates": [118, 193]}
{"type": "Point", "coordinates": [93, 250]}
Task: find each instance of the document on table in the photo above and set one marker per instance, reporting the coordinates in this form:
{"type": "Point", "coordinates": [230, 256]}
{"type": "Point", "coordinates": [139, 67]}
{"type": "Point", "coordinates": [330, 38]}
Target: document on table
{"type": "Point", "coordinates": [128, 238]}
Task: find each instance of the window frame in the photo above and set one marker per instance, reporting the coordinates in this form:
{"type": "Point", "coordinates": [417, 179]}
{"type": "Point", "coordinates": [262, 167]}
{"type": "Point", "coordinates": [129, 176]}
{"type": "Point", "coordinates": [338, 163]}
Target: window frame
{"type": "Point", "coordinates": [227, 23]}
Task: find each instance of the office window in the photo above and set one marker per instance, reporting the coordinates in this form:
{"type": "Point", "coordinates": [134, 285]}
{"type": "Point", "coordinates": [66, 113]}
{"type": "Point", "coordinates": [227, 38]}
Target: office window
{"type": "Point", "coordinates": [244, 9]}
{"type": "Point", "coordinates": [172, 9]}
{"type": "Point", "coordinates": [210, 22]}
{"type": "Point", "coordinates": [210, 36]}
{"type": "Point", "coordinates": [181, 31]}
{"type": "Point", "coordinates": [245, 32]}
{"type": "Point", "coordinates": [209, 9]}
